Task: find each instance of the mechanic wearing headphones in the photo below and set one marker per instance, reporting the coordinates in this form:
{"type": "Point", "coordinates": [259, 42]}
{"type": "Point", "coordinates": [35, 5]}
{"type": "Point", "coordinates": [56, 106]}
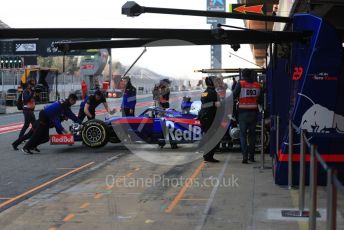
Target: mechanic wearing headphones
{"type": "Point", "coordinates": [210, 102]}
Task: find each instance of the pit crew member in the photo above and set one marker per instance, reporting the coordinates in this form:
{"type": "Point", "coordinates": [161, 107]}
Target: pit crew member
{"type": "Point", "coordinates": [28, 106]}
{"type": "Point", "coordinates": [248, 91]}
{"type": "Point", "coordinates": [46, 117]}
{"type": "Point", "coordinates": [129, 99]}
{"type": "Point", "coordinates": [210, 102]}
{"type": "Point", "coordinates": [89, 105]}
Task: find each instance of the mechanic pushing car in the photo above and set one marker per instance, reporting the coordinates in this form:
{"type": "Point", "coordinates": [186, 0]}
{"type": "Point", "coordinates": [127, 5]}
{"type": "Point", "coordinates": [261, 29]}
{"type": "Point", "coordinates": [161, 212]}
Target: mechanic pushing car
{"type": "Point", "coordinates": [46, 117]}
{"type": "Point", "coordinates": [89, 105]}
{"type": "Point", "coordinates": [248, 91]}
{"type": "Point", "coordinates": [54, 123]}
{"type": "Point", "coordinates": [129, 99]}
{"type": "Point", "coordinates": [210, 102]}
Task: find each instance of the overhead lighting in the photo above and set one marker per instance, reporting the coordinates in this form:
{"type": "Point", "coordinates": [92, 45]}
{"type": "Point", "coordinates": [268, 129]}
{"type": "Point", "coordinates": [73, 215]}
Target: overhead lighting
{"type": "Point", "coordinates": [132, 9]}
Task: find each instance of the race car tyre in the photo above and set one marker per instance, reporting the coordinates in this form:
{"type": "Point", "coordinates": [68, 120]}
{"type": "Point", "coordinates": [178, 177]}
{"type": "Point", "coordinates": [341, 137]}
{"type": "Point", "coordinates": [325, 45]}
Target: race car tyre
{"type": "Point", "coordinates": [94, 134]}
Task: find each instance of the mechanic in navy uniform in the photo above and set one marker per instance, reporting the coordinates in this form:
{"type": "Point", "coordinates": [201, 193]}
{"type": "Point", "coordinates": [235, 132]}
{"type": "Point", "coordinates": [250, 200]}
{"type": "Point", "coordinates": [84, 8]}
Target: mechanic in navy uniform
{"type": "Point", "coordinates": [248, 91]}
{"type": "Point", "coordinates": [129, 99]}
{"type": "Point", "coordinates": [55, 123]}
{"type": "Point", "coordinates": [89, 105]}
{"type": "Point", "coordinates": [46, 117]}
{"type": "Point", "coordinates": [210, 102]}
{"type": "Point", "coordinates": [28, 106]}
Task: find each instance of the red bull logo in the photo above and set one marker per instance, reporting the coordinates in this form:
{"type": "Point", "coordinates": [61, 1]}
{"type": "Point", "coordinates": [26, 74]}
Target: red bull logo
{"type": "Point", "coordinates": [192, 133]}
{"type": "Point", "coordinates": [62, 139]}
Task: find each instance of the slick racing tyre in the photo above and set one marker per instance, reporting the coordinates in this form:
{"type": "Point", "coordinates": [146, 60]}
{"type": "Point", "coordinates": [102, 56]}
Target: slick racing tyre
{"type": "Point", "coordinates": [94, 134]}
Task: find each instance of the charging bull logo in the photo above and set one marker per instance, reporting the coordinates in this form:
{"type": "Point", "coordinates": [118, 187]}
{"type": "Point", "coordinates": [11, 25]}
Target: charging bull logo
{"type": "Point", "coordinates": [319, 119]}
{"type": "Point", "coordinates": [192, 133]}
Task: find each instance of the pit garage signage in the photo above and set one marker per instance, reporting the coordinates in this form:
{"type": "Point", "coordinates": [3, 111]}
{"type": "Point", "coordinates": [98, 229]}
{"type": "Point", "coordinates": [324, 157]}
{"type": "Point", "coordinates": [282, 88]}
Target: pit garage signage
{"type": "Point", "coordinates": [246, 8]}
{"type": "Point", "coordinates": [216, 5]}
{"type": "Point", "coordinates": [47, 48]}
{"type": "Point", "coordinates": [25, 47]}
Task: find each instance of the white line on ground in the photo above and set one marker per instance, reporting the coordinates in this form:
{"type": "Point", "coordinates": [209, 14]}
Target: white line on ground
{"type": "Point", "coordinates": [211, 197]}
{"type": "Point", "coordinates": [65, 168]}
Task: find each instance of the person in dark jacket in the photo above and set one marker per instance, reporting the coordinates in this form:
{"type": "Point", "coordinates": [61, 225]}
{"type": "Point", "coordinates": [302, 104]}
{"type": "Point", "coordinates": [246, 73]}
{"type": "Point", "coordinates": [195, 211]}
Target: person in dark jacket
{"type": "Point", "coordinates": [234, 83]}
{"type": "Point", "coordinates": [55, 123]}
{"type": "Point", "coordinates": [46, 117]}
{"type": "Point", "coordinates": [28, 106]}
{"type": "Point", "coordinates": [129, 99]}
{"type": "Point", "coordinates": [186, 105]}
{"type": "Point", "coordinates": [164, 94]}
{"type": "Point", "coordinates": [210, 102]}
{"type": "Point", "coordinates": [89, 105]}
{"type": "Point", "coordinates": [248, 91]}
{"type": "Point", "coordinates": [155, 93]}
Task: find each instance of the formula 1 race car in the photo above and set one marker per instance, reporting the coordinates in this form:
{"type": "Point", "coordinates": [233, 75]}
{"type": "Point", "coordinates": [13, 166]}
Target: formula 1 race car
{"type": "Point", "coordinates": [153, 126]}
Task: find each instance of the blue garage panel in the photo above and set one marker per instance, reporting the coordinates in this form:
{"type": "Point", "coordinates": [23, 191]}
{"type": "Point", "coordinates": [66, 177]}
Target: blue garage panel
{"type": "Point", "coordinates": [311, 95]}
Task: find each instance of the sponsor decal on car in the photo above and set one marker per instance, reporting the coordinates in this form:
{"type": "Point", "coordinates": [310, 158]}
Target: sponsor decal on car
{"type": "Point", "coordinates": [177, 132]}
{"type": "Point", "coordinates": [62, 139]}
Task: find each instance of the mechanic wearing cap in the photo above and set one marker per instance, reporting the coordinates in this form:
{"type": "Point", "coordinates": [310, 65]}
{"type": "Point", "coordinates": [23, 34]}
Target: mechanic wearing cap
{"type": "Point", "coordinates": [129, 99]}
{"type": "Point", "coordinates": [210, 102]}
{"type": "Point", "coordinates": [248, 91]}
{"type": "Point", "coordinates": [47, 116]}
{"type": "Point", "coordinates": [89, 105]}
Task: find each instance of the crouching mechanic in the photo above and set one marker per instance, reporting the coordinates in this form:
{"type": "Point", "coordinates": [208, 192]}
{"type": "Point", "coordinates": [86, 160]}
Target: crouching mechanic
{"type": "Point", "coordinates": [46, 117]}
{"type": "Point", "coordinates": [89, 105]}
{"type": "Point", "coordinates": [56, 123]}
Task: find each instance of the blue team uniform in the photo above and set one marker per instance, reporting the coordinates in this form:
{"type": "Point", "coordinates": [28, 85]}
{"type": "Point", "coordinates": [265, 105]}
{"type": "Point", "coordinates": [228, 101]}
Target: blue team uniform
{"type": "Point", "coordinates": [50, 115]}
{"type": "Point", "coordinates": [129, 101]}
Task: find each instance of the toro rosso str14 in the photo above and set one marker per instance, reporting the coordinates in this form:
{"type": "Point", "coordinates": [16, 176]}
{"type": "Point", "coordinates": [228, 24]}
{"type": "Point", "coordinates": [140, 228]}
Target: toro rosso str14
{"type": "Point", "coordinates": [154, 126]}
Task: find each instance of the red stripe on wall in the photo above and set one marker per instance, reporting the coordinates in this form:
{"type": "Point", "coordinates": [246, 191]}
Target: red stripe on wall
{"type": "Point", "coordinates": [335, 157]}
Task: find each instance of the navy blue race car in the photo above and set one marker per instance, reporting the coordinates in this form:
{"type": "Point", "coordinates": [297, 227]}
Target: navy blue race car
{"type": "Point", "coordinates": [154, 126]}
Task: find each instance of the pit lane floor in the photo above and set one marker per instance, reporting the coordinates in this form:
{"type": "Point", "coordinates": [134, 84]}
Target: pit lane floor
{"type": "Point", "coordinates": [131, 193]}
{"type": "Point", "coordinates": [20, 174]}
{"type": "Point", "coordinates": [111, 188]}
